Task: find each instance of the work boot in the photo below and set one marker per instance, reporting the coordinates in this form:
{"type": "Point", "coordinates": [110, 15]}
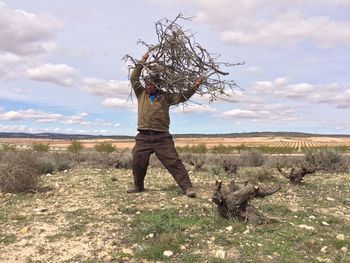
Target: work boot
{"type": "Point", "coordinates": [135, 189]}
{"type": "Point", "coordinates": [190, 192]}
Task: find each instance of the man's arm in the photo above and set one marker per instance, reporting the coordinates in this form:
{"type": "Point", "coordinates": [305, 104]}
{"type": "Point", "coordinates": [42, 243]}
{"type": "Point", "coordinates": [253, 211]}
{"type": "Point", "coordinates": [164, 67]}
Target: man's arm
{"type": "Point", "coordinates": [135, 76]}
{"type": "Point", "coordinates": [182, 97]}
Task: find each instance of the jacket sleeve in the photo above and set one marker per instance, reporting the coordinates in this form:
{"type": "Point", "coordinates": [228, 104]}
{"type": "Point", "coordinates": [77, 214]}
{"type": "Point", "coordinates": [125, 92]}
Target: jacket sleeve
{"type": "Point", "coordinates": [176, 98]}
{"type": "Point", "coordinates": [135, 80]}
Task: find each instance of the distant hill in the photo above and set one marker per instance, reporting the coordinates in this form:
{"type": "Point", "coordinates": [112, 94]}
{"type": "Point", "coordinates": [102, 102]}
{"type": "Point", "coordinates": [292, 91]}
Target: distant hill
{"type": "Point", "coordinates": [225, 135]}
{"type": "Point", "coordinates": [59, 136]}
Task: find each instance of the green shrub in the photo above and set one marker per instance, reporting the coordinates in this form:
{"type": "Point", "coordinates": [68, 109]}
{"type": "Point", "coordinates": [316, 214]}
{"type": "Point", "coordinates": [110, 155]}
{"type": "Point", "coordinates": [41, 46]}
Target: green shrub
{"type": "Point", "coordinates": [222, 149]}
{"type": "Point", "coordinates": [46, 168]}
{"type": "Point", "coordinates": [40, 147]}
{"type": "Point", "coordinates": [19, 172]}
{"type": "Point", "coordinates": [215, 169]}
{"type": "Point", "coordinates": [253, 158]}
{"type": "Point", "coordinates": [7, 148]}
{"type": "Point", "coordinates": [105, 147]}
{"type": "Point", "coordinates": [328, 160]}
{"type": "Point", "coordinates": [75, 147]}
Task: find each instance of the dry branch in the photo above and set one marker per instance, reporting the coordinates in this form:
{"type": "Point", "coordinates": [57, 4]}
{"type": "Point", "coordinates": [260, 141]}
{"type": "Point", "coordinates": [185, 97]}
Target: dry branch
{"type": "Point", "coordinates": [179, 60]}
{"type": "Point", "coordinates": [235, 202]}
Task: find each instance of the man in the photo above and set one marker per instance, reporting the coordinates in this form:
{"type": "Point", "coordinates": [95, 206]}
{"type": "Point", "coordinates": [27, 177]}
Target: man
{"type": "Point", "coordinates": [153, 127]}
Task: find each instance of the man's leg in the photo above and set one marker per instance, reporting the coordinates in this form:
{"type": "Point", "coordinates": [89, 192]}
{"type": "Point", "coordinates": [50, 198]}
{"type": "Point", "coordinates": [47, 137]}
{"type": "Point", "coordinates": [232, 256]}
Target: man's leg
{"type": "Point", "coordinates": [140, 153]}
{"type": "Point", "coordinates": [165, 150]}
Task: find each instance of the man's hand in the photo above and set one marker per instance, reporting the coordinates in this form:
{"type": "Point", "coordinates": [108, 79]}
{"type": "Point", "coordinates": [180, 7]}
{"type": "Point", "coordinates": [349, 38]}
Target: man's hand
{"type": "Point", "coordinates": [144, 58]}
{"type": "Point", "coordinates": [198, 81]}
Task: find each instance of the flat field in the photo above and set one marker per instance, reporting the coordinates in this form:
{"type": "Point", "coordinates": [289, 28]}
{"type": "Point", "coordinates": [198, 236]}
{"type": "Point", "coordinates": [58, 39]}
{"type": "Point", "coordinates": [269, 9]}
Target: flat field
{"type": "Point", "coordinates": [294, 142]}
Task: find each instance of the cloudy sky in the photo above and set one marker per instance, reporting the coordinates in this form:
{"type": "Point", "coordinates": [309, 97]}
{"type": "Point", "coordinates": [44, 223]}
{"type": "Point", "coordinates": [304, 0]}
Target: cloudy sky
{"type": "Point", "coordinates": [61, 67]}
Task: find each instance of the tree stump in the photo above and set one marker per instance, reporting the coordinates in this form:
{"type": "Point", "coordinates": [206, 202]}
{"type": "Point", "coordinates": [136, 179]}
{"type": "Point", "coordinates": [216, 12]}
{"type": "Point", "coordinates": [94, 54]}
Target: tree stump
{"type": "Point", "coordinates": [296, 175]}
{"type": "Point", "coordinates": [234, 203]}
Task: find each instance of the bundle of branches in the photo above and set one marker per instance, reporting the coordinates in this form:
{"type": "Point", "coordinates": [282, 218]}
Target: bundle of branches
{"type": "Point", "coordinates": [179, 60]}
{"type": "Point", "coordinates": [234, 203]}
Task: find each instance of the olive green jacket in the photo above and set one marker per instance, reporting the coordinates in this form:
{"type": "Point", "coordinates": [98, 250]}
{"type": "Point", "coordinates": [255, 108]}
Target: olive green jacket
{"type": "Point", "coordinates": [155, 116]}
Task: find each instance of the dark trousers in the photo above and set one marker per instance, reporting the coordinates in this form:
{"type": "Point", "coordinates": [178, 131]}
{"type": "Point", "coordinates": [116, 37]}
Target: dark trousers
{"type": "Point", "coordinates": [162, 144]}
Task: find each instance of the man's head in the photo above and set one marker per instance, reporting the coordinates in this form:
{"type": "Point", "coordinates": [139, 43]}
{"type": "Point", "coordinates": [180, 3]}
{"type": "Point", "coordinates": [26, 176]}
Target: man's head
{"type": "Point", "coordinates": [151, 81]}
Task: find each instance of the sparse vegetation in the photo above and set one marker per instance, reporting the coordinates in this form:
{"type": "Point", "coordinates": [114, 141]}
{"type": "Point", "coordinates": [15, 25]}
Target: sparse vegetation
{"type": "Point", "coordinates": [75, 147]}
{"type": "Point", "coordinates": [7, 147]}
{"type": "Point", "coordinates": [84, 214]}
{"type": "Point", "coordinates": [105, 147]}
{"type": "Point", "coordinates": [41, 147]}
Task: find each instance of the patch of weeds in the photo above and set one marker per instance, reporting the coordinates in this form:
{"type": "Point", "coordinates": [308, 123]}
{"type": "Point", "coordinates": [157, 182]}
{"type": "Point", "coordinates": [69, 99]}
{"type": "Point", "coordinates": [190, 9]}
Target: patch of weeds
{"type": "Point", "coordinates": [164, 241]}
{"type": "Point", "coordinates": [275, 210]}
{"type": "Point", "coordinates": [190, 258]}
{"type": "Point", "coordinates": [218, 260]}
{"type": "Point", "coordinates": [72, 231]}
{"type": "Point", "coordinates": [169, 231]}
{"type": "Point", "coordinates": [81, 215]}
{"type": "Point", "coordinates": [77, 229]}
{"type": "Point", "coordinates": [129, 210]}
{"type": "Point", "coordinates": [7, 239]}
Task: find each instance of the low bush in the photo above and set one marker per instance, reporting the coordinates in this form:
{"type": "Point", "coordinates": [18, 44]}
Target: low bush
{"type": "Point", "coordinates": [253, 158]}
{"type": "Point", "coordinates": [327, 160]}
{"type": "Point", "coordinates": [105, 147]}
{"type": "Point", "coordinates": [75, 147]}
{"type": "Point", "coordinates": [7, 148]}
{"type": "Point", "coordinates": [46, 168]}
{"type": "Point", "coordinates": [40, 147]}
{"type": "Point", "coordinates": [19, 172]}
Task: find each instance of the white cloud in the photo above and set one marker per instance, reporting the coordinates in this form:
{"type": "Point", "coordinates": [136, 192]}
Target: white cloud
{"type": "Point", "coordinates": [119, 103]}
{"type": "Point", "coordinates": [30, 114]}
{"type": "Point", "coordinates": [25, 33]}
{"type": "Point", "coordinates": [272, 22]}
{"type": "Point", "coordinates": [60, 74]}
{"type": "Point", "coordinates": [107, 88]}
{"type": "Point", "coordinates": [253, 70]}
{"type": "Point", "coordinates": [195, 108]}
{"type": "Point", "coordinates": [264, 87]}
{"type": "Point", "coordinates": [302, 90]}
{"type": "Point", "coordinates": [238, 113]}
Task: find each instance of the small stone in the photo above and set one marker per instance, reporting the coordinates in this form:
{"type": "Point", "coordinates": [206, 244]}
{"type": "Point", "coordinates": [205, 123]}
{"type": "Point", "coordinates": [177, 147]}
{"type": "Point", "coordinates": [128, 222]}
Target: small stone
{"type": "Point", "coordinates": [23, 243]}
{"type": "Point", "coordinates": [220, 254]}
{"type": "Point", "coordinates": [312, 217]}
{"type": "Point", "coordinates": [138, 212]}
{"type": "Point", "coordinates": [150, 235]}
{"type": "Point", "coordinates": [330, 199]}
{"type": "Point", "coordinates": [246, 232]}
{"type": "Point", "coordinates": [325, 223]}
{"type": "Point", "coordinates": [127, 251]}
{"type": "Point", "coordinates": [24, 230]}
{"type": "Point", "coordinates": [168, 253]}
{"type": "Point", "coordinates": [307, 227]}
{"type": "Point", "coordinates": [344, 249]}
{"type": "Point", "coordinates": [65, 171]}
{"type": "Point", "coordinates": [182, 247]}
{"type": "Point", "coordinates": [43, 209]}
{"type": "Point", "coordinates": [229, 228]}
{"type": "Point", "coordinates": [340, 237]}
{"type": "Point", "coordinates": [324, 249]}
